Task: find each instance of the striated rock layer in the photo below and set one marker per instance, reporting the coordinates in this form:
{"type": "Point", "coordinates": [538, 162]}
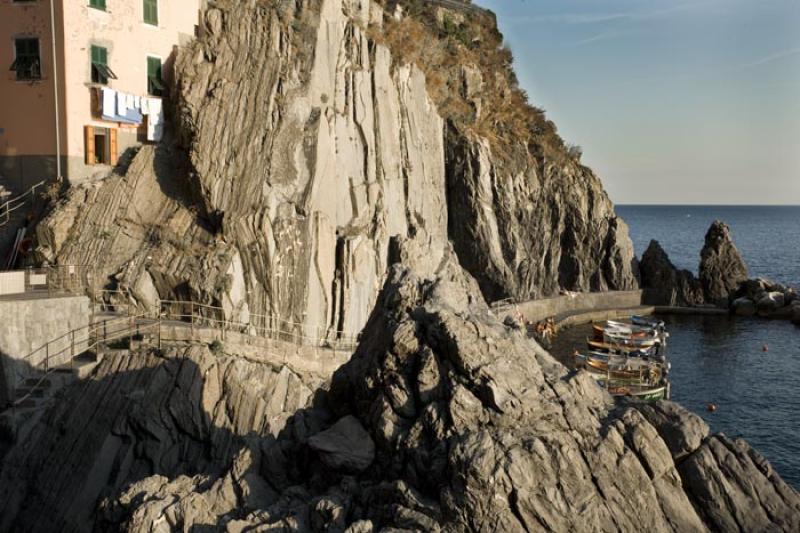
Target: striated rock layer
{"type": "Point", "coordinates": [302, 146]}
{"type": "Point", "coordinates": [444, 420]}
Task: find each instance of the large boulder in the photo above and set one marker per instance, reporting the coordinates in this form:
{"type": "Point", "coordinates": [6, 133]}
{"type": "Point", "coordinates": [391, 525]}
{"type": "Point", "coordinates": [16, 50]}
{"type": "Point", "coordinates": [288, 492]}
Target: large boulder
{"type": "Point", "coordinates": [663, 283]}
{"type": "Point", "coordinates": [722, 268]}
{"type": "Point", "coordinates": [753, 289]}
{"type": "Point", "coordinates": [770, 302]}
{"type": "Point", "coordinates": [743, 306]}
{"type": "Point", "coordinates": [344, 446]}
{"type": "Point", "coordinates": [796, 312]}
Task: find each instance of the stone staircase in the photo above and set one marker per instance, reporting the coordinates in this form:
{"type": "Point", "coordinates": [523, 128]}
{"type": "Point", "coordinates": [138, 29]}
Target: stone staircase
{"type": "Point", "coordinates": [37, 392]}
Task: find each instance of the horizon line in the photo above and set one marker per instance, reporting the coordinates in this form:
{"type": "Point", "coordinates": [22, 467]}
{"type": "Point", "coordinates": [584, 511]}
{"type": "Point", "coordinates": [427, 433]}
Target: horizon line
{"type": "Point", "coordinates": [647, 204]}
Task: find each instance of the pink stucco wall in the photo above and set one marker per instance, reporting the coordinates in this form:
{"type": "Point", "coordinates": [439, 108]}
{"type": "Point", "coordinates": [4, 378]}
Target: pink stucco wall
{"type": "Point", "coordinates": [28, 124]}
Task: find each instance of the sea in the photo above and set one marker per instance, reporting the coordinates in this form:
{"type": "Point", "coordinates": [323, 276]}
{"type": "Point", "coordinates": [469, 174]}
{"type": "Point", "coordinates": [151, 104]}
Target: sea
{"type": "Point", "coordinates": [749, 368]}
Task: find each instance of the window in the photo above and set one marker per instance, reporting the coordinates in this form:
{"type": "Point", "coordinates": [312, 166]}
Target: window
{"type": "Point", "coordinates": [155, 85]}
{"type": "Point", "coordinates": [151, 12]}
{"type": "Point", "coordinates": [27, 64]}
{"type": "Point", "coordinates": [100, 70]}
{"type": "Point", "coordinates": [100, 145]}
{"type": "Point", "coordinates": [98, 4]}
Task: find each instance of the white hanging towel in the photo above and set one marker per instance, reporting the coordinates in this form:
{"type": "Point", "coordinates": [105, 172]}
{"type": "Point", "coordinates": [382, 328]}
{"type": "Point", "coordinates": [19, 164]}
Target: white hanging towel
{"type": "Point", "coordinates": [131, 102]}
{"type": "Point", "coordinates": [109, 101]}
{"type": "Point", "coordinates": [155, 120]}
{"type": "Point", "coordinates": [137, 102]}
{"type": "Point", "coordinates": [122, 104]}
{"type": "Point", "coordinates": [145, 106]}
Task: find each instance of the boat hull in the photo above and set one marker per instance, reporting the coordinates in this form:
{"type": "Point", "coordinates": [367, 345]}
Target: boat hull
{"type": "Point", "coordinates": [649, 394]}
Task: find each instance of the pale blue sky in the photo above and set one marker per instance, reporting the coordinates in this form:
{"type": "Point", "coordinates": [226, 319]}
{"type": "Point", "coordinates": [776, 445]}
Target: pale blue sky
{"type": "Point", "coordinates": [673, 101]}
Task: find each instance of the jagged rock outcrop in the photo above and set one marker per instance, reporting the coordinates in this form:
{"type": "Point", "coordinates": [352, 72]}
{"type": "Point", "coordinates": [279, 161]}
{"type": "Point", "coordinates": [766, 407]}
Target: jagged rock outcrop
{"type": "Point", "coordinates": [304, 143]}
{"type": "Point", "coordinates": [722, 268]}
{"type": "Point", "coordinates": [663, 283]}
{"type": "Point", "coordinates": [444, 420]}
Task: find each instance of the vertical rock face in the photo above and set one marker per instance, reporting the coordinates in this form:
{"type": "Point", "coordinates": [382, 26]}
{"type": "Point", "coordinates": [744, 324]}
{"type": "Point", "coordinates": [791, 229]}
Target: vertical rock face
{"type": "Point", "coordinates": [526, 228]}
{"type": "Point", "coordinates": [721, 265]}
{"type": "Point", "coordinates": [303, 146]}
{"type": "Point", "coordinates": [309, 151]}
{"type": "Point", "coordinates": [663, 283]}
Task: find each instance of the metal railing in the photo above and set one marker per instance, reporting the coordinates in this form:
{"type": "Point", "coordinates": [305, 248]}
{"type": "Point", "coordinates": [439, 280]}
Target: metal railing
{"type": "Point", "coordinates": [198, 315]}
{"type": "Point", "coordinates": [17, 202]}
{"type": "Point", "coordinates": [265, 326]}
{"type": "Point", "coordinates": [60, 353]}
{"type": "Point", "coordinates": [50, 280]}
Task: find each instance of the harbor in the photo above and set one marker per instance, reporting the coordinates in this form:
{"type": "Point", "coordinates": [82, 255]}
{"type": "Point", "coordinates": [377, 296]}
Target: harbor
{"type": "Point", "coordinates": [627, 357]}
{"type": "Point", "coordinates": [719, 360]}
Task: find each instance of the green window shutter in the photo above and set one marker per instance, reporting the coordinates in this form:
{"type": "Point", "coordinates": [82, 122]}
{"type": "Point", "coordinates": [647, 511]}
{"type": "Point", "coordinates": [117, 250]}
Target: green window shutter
{"type": "Point", "coordinates": [151, 12]}
{"type": "Point", "coordinates": [155, 84]}
{"type": "Point", "coordinates": [100, 71]}
{"type": "Point", "coordinates": [98, 4]}
{"type": "Point", "coordinates": [27, 63]}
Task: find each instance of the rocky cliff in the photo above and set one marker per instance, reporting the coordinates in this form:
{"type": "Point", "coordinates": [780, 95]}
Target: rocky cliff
{"type": "Point", "coordinates": [444, 420]}
{"type": "Point", "coordinates": [342, 164]}
{"type": "Point", "coordinates": [308, 135]}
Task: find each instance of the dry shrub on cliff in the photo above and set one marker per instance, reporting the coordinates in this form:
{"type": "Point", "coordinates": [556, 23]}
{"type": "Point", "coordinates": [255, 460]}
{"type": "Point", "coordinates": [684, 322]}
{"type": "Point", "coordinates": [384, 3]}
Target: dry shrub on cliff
{"type": "Point", "coordinates": [442, 43]}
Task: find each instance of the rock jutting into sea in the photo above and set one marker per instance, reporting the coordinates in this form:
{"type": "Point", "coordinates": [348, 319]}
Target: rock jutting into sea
{"type": "Point", "coordinates": [664, 284]}
{"type": "Point", "coordinates": [346, 169]}
{"type": "Point", "coordinates": [723, 281]}
{"type": "Point", "coordinates": [722, 268]}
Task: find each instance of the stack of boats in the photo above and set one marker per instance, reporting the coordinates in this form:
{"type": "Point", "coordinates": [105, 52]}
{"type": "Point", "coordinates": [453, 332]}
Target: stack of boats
{"type": "Point", "coordinates": [629, 358]}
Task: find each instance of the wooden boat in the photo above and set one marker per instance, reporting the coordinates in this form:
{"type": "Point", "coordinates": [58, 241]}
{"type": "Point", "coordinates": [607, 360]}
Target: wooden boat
{"type": "Point", "coordinates": [650, 322]}
{"type": "Point", "coordinates": [604, 346]}
{"type": "Point", "coordinates": [626, 340]}
{"type": "Point", "coordinates": [622, 328]}
{"type": "Point", "coordinates": [630, 369]}
{"type": "Point", "coordinates": [603, 377]}
{"type": "Point", "coordinates": [613, 334]}
{"type": "Point", "coordinates": [658, 392]}
{"type": "Point", "coordinates": [629, 325]}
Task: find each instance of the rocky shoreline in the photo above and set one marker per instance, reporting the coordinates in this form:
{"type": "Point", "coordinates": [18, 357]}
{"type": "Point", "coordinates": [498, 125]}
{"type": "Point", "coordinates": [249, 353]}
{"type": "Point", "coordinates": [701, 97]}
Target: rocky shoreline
{"type": "Point", "coordinates": [443, 420]}
{"type": "Point", "coordinates": [722, 282]}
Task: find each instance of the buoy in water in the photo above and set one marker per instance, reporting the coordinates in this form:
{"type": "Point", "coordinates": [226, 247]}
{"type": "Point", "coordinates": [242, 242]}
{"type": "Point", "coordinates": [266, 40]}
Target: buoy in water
{"type": "Point", "coordinates": [765, 348]}
{"type": "Point", "coordinates": [711, 407]}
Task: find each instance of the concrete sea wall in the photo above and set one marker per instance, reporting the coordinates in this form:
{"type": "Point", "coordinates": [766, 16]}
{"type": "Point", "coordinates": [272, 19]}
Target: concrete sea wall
{"type": "Point", "coordinates": [536, 310]}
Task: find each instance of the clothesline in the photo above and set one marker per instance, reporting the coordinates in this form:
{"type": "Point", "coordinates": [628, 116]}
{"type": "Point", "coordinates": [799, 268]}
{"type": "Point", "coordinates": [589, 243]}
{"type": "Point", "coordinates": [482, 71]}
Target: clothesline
{"type": "Point", "coordinates": [131, 109]}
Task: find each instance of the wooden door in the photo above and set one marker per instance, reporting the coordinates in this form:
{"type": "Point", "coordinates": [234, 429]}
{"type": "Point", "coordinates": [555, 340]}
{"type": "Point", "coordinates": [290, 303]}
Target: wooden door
{"type": "Point", "coordinates": [88, 140]}
{"type": "Point", "coordinates": [112, 146]}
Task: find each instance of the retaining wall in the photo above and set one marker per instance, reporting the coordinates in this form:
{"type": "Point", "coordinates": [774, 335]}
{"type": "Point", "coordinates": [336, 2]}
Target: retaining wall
{"type": "Point", "coordinates": [28, 324]}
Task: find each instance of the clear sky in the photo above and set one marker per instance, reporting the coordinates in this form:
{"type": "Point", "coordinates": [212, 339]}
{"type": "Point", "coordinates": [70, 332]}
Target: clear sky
{"type": "Point", "coordinates": [673, 101]}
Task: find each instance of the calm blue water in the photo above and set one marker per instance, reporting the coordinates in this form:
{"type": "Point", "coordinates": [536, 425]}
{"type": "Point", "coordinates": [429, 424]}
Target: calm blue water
{"type": "Point", "coordinates": [720, 359]}
{"type": "Point", "coordinates": [768, 237]}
